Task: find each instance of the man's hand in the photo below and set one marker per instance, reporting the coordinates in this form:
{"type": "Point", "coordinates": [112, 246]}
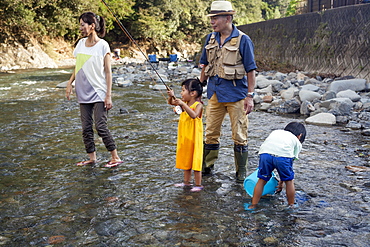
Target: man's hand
{"type": "Point", "coordinates": [248, 105]}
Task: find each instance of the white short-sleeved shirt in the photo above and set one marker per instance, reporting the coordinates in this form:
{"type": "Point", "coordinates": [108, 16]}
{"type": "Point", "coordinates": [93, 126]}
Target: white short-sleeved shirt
{"type": "Point", "coordinates": [281, 143]}
{"type": "Point", "coordinates": [91, 85]}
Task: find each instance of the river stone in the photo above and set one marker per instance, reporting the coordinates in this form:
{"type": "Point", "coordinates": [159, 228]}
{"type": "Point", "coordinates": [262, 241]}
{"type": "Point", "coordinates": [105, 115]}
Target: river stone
{"type": "Point", "coordinates": [277, 86]}
{"type": "Point", "coordinates": [306, 108]}
{"type": "Point", "coordinates": [289, 106]}
{"type": "Point", "coordinates": [162, 77]}
{"type": "Point", "coordinates": [301, 77]}
{"type": "Point", "coordinates": [329, 95]}
{"type": "Point", "coordinates": [342, 119]}
{"type": "Point", "coordinates": [310, 87]}
{"type": "Point", "coordinates": [121, 82]}
{"type": "Point", "coordinates": [265, 106]}
{"type": "Point", "coordinates": [308, 95]}
{"type": "Point", "coordinates": [262, 81]}
{"type": "Point", "coordinates": [353, 84]}
{"type": "Point", "coordinates": [321, 119]}
{"type": "Point", "coordinates": [62, 84]}
{"type": "Point", "coordinates": [349, 94]}
{"type": "Point", "coordinates": [267, 98]}
{"type": "Point", "coordinates": [313, 81]}
{"type": "Point", "coordinates": [366, 132]}
{"type": "Point", "coordinates": [195, 72]}
{"type": "Point", "coordinates": [289, 93]}
{"type": "Point", "coordinates": [338, 106]}
{"type": "Point", "coordinates": [358, 106]}
{"type": "Point", "coordinates": [265, 90]}
{"type": "Point", "coordinates": [279, 76]}
{"type": "Point", "coordinates": [257, 99]}
{"type": "Point", "coordinates": [354, 125]}
{"type": "Point", "coordinates": [158, 87]}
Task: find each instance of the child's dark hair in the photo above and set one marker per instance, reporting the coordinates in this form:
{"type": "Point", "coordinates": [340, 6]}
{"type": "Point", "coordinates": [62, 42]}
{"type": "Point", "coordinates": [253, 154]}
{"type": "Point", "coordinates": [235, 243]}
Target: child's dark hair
{"type": "Point", "coordinates": [90, 18]}
{"type": "Point", "coordinates": [194, 85]}
{"type": "Point", "coordinates": [296, 129]}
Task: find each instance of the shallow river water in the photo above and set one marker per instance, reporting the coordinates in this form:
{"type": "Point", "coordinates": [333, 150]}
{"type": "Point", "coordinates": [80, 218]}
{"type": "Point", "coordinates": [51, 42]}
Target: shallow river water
{"type": "Point", "coordinates": [46, 200]}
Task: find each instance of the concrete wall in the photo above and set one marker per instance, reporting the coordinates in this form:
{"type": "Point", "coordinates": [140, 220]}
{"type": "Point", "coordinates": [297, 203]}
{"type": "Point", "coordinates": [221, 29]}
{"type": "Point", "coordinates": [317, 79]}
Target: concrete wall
{"type": "Point", "coordinates": [335, 41]}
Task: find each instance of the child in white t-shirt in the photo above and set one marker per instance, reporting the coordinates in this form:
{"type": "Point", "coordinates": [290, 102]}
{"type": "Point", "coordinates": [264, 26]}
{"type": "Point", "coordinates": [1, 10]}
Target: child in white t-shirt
{"type": "Point", "coordinates": [278, 152]}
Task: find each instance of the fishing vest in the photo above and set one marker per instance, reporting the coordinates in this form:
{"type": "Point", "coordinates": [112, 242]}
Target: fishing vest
{"type": "Point", "coordinates": [225, 61]}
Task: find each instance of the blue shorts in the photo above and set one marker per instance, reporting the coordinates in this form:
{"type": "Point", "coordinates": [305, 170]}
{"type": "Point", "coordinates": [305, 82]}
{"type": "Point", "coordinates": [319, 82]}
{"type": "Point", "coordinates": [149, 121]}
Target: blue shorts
{"type": "Point", "coordinates": [268, 163]}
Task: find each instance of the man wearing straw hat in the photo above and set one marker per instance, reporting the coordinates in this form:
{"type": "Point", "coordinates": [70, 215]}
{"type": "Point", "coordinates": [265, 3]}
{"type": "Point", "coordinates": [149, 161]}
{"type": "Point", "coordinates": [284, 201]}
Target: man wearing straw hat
{"type": "Point", "coordinates": [229, 66]}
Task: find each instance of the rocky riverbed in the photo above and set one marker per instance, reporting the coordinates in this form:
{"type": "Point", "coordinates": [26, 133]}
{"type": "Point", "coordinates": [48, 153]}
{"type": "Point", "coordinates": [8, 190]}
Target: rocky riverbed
{"type": "Point", "coordinates": [323, 101]}
{"type": "Point", "coordinates": [46, 199]}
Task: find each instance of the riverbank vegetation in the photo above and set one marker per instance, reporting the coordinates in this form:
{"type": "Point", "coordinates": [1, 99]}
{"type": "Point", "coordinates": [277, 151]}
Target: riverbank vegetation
{"type": "Point", "coordinates": [152, 21]}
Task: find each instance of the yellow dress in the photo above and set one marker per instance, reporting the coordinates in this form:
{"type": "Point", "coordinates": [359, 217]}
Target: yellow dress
{"type": "Point", "coordinates": [189, 152]}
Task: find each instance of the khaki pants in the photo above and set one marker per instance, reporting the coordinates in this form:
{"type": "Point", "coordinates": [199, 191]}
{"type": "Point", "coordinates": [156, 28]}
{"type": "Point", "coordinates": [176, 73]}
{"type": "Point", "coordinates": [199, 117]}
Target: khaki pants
{"type": "Point", "coordinates": [216, 113]}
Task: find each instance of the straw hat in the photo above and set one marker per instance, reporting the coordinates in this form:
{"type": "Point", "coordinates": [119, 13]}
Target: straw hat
{"type": "Point", "coordinates": [221, 8]}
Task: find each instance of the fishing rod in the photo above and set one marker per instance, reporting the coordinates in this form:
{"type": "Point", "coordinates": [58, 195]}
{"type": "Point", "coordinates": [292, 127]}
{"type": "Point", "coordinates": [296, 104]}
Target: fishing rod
{"type": "Point", "coordinates": [132, 39]}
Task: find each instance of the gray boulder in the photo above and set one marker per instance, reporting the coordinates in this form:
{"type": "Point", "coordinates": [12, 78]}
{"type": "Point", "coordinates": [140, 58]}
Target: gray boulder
{"type": "Point", "coordinates": [277, 86]}
{"type": "Point", "coordinates": [338, 106]}
{"type": "Point", "coordinates": [308, 95]}
{"type": "Point", "coordinates": [310, 87]}
{"type": "Point", "coordinates": [280, 76]}
{"type": "Point", "coordinates": [349, 94]}
{"type": "Point", "coordinates": [265, 90]}
{"type": "Point", "coordinates": [353, 84]}
{"type": "Point", "coordinates": [289, 107]}
{"type": "Point", "coordinates": [262, 81]}
{"type": "Point", "coordinates": [289, 93]}
{"type": "Point", "coordinates": [329, 95]}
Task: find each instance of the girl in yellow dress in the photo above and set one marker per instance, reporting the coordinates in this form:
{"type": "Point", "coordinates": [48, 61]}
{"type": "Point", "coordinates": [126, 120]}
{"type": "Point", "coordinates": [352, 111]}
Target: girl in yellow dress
{"type": "Point", "coordinates": [189, 152]}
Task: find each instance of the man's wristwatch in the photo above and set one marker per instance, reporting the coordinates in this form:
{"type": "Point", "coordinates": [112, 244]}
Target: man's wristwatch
{"type": "Point", "coordinates": [250, 94]}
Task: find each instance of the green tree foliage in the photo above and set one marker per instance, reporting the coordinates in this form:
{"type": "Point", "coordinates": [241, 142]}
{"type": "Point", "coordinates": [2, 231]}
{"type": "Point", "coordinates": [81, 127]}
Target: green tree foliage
{"type": "Point", "coordinates": [248, 11]}
{"type": "Point", "coordinates": [169, 19]}
{"type": "Point", "coordinates": [292, 7]}
{"type": "Point", "coordinates": [150, 20]}
{"type": "Point", "coordinates": [52, 18]}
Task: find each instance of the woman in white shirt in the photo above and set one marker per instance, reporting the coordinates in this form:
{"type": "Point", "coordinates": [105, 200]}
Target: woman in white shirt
{"type": "Point", "coordinates": [93, 83]}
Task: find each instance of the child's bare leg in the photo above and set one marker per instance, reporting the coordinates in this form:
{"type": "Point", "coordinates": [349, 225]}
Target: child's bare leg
{"type": "Point", "coordinates": [198, 181]}
{"type": "Point", "coordinates": [257, 193]}
{"type": "Point", "coordinates": [290, 191]}
{"type": "Point", "coordinates": [198, 178]}
{"type": "Point", "coordinates": [187, 177]}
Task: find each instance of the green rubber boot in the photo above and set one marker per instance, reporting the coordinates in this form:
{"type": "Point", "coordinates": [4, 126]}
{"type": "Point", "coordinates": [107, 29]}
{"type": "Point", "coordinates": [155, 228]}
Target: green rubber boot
{"type": "Point", "coordinates": [241, 162]}
{"type": "Point", "coordinates": [209, 158]}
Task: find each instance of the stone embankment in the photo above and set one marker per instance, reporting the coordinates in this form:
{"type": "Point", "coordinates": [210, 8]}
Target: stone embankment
{"type": "Point", "coordinates": [343, 101]}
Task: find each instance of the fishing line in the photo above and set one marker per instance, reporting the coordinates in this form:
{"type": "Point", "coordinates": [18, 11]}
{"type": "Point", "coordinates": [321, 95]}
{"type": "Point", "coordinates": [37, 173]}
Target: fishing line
{"type": "Point", "coordinates": [132, 39]}
{"type": "Point", "coordinates": [176, 109]}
